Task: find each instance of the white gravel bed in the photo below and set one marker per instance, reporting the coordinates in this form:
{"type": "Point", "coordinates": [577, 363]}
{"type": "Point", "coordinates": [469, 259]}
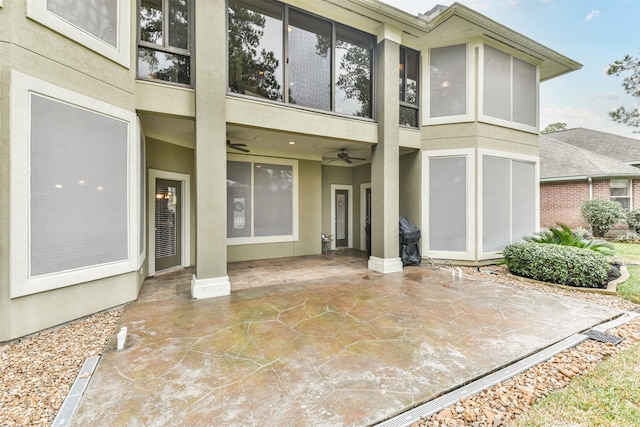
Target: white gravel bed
{"type": "Point", "coordinates": [38, 371]}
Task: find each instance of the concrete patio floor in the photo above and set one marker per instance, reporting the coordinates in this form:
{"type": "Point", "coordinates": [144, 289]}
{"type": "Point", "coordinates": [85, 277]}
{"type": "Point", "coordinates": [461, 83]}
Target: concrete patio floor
{"type": "Point", "coordinates": [337, 345]}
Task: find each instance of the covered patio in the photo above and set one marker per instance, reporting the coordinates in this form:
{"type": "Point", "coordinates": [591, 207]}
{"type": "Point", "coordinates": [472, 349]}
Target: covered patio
{"type": "Point", "coordinates": [318, 341]}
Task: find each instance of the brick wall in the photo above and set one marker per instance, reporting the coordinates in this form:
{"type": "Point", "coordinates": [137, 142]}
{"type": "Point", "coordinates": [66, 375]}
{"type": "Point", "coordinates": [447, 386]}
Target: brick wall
{"type": "Point", "coordinates": [561, 201]}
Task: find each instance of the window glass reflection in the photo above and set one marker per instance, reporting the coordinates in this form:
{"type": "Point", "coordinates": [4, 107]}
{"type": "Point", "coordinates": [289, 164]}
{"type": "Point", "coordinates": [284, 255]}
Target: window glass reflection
{"type": "Point", "coordinates": [178, 24]}
{"type": "Point", "coordinates": [151, 21]}
{"type": "Point", "coordinates": [255, 49]}
{"type": "Point", "coordinates": [158, 65]}
{"type": "Point", "coordinates": [354, 51]}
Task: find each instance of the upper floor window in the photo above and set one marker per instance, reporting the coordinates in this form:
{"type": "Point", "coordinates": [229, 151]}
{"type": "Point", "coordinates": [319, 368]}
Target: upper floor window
{"type": "Point", "coordinates": [621, 192]}
{"type": "Point", "coordinates": [510, 88]}
{"type": "Point", "coordinates": [165, 40]}
{"type": "Point", "coordinates": [448, 81]}
{"type": "Point", "coordinates": [100, 25]}
{"type": "Point", "coordinates": [315, 63]}
{"type": "Point", "coordinates": [409, 68]}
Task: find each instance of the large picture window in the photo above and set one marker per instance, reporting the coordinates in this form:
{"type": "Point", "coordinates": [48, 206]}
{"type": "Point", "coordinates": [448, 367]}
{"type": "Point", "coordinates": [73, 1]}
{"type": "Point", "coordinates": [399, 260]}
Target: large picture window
{"type": "Point", "coordinates": [448, 81]}
{"type": "Point", "coordinates": [510, 88]}
{"type": "Point", "coordinates": [74, 188]}
{"type": "Point", "coordinates": [261, 200]}
{"type": "Point", "coordinates": [78, 188]}
{"type": "Point", "coordinates": [508, 201]}
{"type": "Point", "coordinates": [448, 203]}
{"type": "Point", "coordinates": [328, 66]}
{"type": "Point", "coordinates": [101, 25]}
{"type": "Point", "coordinates": [165, 40]}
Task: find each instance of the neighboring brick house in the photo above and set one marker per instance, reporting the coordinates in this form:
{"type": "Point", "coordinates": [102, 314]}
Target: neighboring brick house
{"type": "Point", "coordinates": [571, 173]}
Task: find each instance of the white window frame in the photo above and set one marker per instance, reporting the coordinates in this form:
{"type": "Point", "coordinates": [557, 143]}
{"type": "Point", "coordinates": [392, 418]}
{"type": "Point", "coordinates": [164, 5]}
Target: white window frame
{"type": "Point", "coordinates": [121, 53]}
{"type": "Point", "coordinates": [142, 204]}
{"type": "Point", "coordinates": [471, 88]}
{"type": "Point", "coordinates": [629, 187]}
{"type": "Point", "coordinates": [470, 155]}
{"type": "Point", "coordinates": [501, 122]}
{"type": "Point", "coordinates": [22, 86]}
{"type": "Point", "coordinates": [509, 156]}
{"type": "Point", "coordinates": [232, 241]}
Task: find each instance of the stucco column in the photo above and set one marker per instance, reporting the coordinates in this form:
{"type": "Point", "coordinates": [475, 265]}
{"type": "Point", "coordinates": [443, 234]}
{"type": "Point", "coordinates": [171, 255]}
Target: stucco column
{"type": "Point", "coordinates": [211, 277]}
{"type": "Point", "coordinates": [385, 157]}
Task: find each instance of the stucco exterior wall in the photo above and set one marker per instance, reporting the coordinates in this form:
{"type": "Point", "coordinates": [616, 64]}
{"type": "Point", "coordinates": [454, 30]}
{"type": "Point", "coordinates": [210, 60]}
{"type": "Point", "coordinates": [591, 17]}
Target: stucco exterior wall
{"type": "Point", "coordinates": [411, 187]}
{"type": "Point", "coordinates": [479, 135]}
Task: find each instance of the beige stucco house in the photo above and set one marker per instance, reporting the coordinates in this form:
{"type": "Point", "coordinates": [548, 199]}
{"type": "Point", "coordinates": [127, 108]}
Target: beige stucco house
{"type": "Point", "coordinates": [142, 136]}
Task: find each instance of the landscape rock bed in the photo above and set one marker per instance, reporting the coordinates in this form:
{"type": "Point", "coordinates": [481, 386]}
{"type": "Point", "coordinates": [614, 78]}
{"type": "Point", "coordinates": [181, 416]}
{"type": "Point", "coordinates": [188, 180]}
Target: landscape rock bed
{"type": "Point", "coordinates": [37, 372]}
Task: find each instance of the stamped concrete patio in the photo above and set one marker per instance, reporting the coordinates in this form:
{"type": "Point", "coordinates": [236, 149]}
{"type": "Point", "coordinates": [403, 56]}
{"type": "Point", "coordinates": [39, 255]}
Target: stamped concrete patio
{"type": "Point", "coordinates": [316, 341]}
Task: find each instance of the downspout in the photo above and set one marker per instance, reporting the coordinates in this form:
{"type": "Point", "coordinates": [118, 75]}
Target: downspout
{"type": "Point", "coordinates": [590, 188]}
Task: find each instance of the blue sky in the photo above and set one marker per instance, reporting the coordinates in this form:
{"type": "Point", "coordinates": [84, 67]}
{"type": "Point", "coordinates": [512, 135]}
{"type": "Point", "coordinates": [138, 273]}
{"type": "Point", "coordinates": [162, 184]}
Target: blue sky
{"type": "Point", "coordinates": [591, 32]}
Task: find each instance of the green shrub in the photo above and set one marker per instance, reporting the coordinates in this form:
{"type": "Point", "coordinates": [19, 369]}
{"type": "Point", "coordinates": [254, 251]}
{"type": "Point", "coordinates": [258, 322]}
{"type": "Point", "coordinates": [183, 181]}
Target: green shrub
{"type": "Point", "coordinates": [601, 214]}
{"type": "Point", "coordinates": [563, 235]}
{"type": "Point", "coordinates": [564, 265]}
{"type": "Point", "coordinates": [633, 219]}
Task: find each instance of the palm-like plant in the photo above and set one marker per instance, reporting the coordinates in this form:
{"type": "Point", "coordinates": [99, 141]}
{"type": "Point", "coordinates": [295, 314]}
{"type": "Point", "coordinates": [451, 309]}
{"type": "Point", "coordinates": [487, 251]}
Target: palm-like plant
{"type": "Point", "coordinates": [563, 235]}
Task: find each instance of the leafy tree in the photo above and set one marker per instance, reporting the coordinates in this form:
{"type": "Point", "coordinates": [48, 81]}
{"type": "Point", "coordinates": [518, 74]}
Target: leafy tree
{"type": "Point", "coordinates": [251, 69]}
{"type": "Point", "coordinates": [555, 127]}
{"type": "Point", "coordinates": [631, 85]}
{"type": "Point", "coordinates": [356, 79]}
{"type": "Point", "coordinates": [165, 66]}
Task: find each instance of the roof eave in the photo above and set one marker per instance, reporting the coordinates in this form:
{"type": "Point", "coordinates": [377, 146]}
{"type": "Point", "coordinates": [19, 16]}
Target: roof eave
{"type": "Point", "coordinates": [509, 37]}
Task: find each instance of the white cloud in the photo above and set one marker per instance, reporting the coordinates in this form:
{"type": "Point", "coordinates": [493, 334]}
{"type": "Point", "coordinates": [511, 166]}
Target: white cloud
{"type": "Point", "coordinates": [592, 15]}
{"type": "Point", "coordinates": [573, 117]}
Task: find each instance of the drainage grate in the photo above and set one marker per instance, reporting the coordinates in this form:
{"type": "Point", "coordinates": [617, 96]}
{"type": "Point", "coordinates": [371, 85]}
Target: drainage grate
{"type": "Point", "coordinates": [602, 337]}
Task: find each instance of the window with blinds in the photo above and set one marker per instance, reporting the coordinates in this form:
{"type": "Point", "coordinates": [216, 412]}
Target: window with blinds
{"type": "Point", "coordinates": [78, 187]}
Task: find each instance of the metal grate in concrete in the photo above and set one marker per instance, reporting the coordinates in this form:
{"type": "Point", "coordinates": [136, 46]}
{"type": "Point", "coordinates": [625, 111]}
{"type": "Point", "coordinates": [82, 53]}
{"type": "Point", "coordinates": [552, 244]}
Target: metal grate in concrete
{"type": "Point", "coordinates": [602, 337]}
{"type": "Point", "coordinates": [72, 400]}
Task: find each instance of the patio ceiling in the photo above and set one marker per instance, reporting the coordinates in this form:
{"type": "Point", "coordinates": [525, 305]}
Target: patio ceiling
{"type": "Point", "coordinates": [264, 142]}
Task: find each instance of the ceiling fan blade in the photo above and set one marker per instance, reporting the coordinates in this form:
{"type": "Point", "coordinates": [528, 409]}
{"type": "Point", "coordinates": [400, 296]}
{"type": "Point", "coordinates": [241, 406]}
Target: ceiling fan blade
{"type": "Point", "coordinates": [327, 161]}
{"type": "Point", "coordinates": [357, 158]}
{"type": "Point", "coordinates": [244, 150]}
{"type": "Point", "coordinates": [238, 145]}
{"type": "Point", "coordinates": [348, 160]}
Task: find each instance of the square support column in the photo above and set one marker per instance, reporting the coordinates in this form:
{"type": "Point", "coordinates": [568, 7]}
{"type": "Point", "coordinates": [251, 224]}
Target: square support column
{"type": "Point", "coordinates": [385, 158]}
{"type": "Point", "coordinates": [211, 278]}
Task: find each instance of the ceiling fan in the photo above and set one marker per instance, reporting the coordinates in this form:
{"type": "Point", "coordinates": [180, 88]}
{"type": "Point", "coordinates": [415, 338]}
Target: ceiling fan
{"type": "Point", "coordinates": [345, 157]}
{"type": "Point", "coordinates": [238, 147]}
